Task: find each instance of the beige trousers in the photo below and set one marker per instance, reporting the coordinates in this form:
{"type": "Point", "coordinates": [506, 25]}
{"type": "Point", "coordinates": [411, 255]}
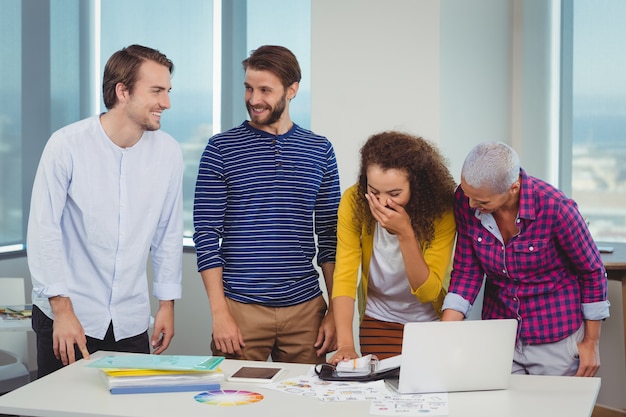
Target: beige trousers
{"type": "Point", "coordinates": [286, 334]}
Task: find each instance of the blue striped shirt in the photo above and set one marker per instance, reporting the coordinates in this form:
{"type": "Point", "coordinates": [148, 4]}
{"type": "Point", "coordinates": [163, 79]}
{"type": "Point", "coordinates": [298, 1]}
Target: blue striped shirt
{"type": "Point", "coordinates": [260, 200]}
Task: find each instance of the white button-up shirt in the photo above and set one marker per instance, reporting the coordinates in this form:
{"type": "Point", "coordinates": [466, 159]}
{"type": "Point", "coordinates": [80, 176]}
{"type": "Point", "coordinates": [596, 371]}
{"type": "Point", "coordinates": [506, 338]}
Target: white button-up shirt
{"type": "Point", "coordinates": [97, 211]}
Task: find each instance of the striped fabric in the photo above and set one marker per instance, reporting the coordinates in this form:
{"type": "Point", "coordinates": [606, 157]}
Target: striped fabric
{"type": "Point", "coordinates": [380, 338]}
{"type": "Point", "coordinates": [266, 197]}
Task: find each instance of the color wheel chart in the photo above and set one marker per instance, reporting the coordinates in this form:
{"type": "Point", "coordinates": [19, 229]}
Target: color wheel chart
{"type": "Point", "coordinates": [228, 397]}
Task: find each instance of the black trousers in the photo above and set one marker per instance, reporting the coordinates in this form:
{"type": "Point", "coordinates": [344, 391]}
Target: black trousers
{"type": "Point", "coordinates": [48, 363]}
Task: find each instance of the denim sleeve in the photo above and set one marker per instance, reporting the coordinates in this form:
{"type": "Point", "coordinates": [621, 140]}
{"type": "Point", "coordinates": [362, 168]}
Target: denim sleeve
{"type": "Point", "coordinates": [456, 302]}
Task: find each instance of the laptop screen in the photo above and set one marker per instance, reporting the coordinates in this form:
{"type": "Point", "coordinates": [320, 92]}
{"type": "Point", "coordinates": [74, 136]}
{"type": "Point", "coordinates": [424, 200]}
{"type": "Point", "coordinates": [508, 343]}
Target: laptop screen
{"type": "Point", "coordinates": [469, 355]}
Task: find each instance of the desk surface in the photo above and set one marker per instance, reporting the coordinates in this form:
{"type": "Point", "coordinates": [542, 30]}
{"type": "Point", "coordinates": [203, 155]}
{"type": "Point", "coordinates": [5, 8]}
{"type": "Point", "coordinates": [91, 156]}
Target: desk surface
{"type": "Point", "coordinates": [14, 325]}
{"type": "Point", "coordinates": [615, 260]}
{"type": "Point", "coordinates": [78, 390]}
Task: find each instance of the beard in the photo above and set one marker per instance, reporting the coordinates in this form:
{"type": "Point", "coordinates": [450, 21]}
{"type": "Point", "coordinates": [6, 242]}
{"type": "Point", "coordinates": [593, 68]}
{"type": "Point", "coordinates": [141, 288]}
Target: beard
{"type": "Point", "coordinates": [150, 126]}
{"type": "Point", "coordinates": [146, 123]}
{"type": "Point", "coordinates": [275, 113]}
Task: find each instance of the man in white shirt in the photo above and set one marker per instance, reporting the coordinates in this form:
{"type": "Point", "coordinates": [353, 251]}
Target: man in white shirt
{"type": "Point", "coordinates": [108, 192]}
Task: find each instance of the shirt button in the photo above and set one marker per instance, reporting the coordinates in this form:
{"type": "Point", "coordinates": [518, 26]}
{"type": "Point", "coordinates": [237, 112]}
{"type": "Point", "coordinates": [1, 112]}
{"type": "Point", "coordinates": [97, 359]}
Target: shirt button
{"type": "Point", "coordinates": [504, 271]}
{"type": "Point", "coordinates": [531, 248]}
{"type": "Point", "coordinates": [517, 220]}
{"type": "Point", "coordinates": [515, 299]}
{"type": "Point", "coordinates": [480, 239]}
{"type": "Point", "coordinates": [519, 318]}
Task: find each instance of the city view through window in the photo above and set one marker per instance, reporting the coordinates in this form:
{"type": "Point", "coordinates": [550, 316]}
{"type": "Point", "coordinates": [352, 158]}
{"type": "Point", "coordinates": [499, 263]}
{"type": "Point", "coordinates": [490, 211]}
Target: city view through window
{"type": "Point", "coordinates": [599, 116]}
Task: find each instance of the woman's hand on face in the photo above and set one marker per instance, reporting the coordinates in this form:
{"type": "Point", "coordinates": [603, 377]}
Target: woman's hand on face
{"type": "Point", "coordinates": [391, 216]}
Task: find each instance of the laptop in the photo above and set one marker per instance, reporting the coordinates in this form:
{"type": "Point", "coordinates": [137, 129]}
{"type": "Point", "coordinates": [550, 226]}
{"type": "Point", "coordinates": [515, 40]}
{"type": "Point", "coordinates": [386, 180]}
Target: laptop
{"type": "Point", "coordinates": [449, 356]}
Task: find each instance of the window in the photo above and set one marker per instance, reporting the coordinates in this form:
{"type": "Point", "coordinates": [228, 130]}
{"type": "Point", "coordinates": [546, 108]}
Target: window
{"type": "Point", "coordinates": [40, 91]}
{"type": "Point", "coordinates": [185, 35]}
{"type": "Point", "coordinates": [595, 112]}
{"type": "Point", "coordinates": [59, 81]}
{"type": "Point", "coordinates": [292, 30]}
{"type": "Point", "coordinates": [11, 225]}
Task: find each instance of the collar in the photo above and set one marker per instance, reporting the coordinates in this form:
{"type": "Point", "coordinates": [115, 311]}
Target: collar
{"type": "Point", "coordinates": [263, 133]}
{"type": "Point", "coordinates": [527, 194]}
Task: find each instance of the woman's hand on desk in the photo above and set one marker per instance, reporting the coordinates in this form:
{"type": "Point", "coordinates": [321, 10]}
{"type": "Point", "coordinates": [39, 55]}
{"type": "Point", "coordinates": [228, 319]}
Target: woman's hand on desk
{"type": "Point", "coordinates": [343, 354]}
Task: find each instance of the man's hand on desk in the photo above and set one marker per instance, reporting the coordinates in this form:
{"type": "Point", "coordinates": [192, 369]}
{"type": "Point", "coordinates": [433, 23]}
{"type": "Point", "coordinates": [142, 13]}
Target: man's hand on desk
{"type": "Point", "coordinates": [163, 327]}
{"type": "Point", "coordinates": [66, 331]}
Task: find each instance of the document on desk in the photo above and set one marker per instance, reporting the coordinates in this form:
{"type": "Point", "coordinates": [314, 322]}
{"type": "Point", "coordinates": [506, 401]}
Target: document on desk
{"type": "Point", "coordinates": [411, 405]}
{"type": "Point", "coordinates": [159, 362]}
{"type": "Point", "coordinates": [382, 400]}
{"type": "Point", "coordinates": [310, 385]}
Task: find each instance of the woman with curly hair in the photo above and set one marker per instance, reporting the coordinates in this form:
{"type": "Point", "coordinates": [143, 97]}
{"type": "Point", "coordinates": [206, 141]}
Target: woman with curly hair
{"type": "Point", "coordinates": [397, 224]}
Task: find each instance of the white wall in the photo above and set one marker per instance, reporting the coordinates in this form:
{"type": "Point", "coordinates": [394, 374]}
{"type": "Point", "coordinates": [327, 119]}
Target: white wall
{"type": "Point", "coordinates": [375, 66]}
{"type": "Point", "coordinates": [455, 72]}
{"type": "Point", "coordinates": [476, 76]}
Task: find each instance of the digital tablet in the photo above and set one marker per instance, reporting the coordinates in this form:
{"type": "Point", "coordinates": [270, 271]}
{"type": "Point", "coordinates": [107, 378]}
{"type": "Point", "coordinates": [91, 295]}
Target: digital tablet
{"type": "Point", "coordinates": [256, 374]}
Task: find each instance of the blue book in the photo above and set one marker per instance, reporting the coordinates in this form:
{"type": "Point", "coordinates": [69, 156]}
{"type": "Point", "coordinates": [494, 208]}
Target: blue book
{"type": "Point", "coordinates": [165, 388]}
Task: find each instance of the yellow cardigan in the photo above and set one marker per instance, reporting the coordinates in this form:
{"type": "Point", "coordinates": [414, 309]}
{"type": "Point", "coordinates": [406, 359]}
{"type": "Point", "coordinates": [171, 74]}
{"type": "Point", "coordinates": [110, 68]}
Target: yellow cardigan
{"type": "Point", "coordinates": [355, 246]}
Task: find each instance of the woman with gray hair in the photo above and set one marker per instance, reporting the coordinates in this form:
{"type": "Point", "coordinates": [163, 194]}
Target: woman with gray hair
{"type": "Point", "coordinates": [540, 264]}
{"type": "Point", "coordinates": [493, 165]}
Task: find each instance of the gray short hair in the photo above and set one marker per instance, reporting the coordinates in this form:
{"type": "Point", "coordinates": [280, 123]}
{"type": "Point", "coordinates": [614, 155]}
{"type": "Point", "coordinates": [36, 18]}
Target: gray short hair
{"type": "Point", "coordinates": [494, 165]}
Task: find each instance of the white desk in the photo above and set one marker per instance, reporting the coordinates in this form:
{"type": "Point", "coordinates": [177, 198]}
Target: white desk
{"type": "Point", "coordinates": [17, 325]}
{"type": "Point", "coordinates": [11, 324]}
{"type": "Point", "coordinates": [78, 391]}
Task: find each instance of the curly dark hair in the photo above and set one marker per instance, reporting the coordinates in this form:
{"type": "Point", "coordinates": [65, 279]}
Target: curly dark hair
{"type": "Point", "coordinates": [432, 185]}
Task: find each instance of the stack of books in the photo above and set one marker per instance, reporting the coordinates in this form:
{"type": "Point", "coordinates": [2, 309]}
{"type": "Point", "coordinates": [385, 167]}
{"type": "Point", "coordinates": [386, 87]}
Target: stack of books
{"type": "Point", "coordinates": [144, 373]}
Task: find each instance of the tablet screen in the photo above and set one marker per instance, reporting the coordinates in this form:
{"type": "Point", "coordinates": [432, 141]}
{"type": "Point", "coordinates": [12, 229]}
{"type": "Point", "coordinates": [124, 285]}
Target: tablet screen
{"type": "Point", "coordinates": [255, 374]}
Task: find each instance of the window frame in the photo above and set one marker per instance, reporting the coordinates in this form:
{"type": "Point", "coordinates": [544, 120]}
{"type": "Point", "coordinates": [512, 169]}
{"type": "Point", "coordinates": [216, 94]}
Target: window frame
{"type": "Point", "coordinates": [230, 48]}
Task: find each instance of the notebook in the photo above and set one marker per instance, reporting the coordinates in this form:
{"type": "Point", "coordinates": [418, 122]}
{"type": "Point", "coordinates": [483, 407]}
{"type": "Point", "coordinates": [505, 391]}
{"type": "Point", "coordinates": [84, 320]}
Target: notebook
{"type": "Point", "coordinates": [448, 356]}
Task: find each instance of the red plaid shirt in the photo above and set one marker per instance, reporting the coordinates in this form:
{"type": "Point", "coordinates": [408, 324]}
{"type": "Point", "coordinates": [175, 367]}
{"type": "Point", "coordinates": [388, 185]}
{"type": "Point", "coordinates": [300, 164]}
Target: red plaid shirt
{"type": "Point", "coordinates": [547, 277]}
